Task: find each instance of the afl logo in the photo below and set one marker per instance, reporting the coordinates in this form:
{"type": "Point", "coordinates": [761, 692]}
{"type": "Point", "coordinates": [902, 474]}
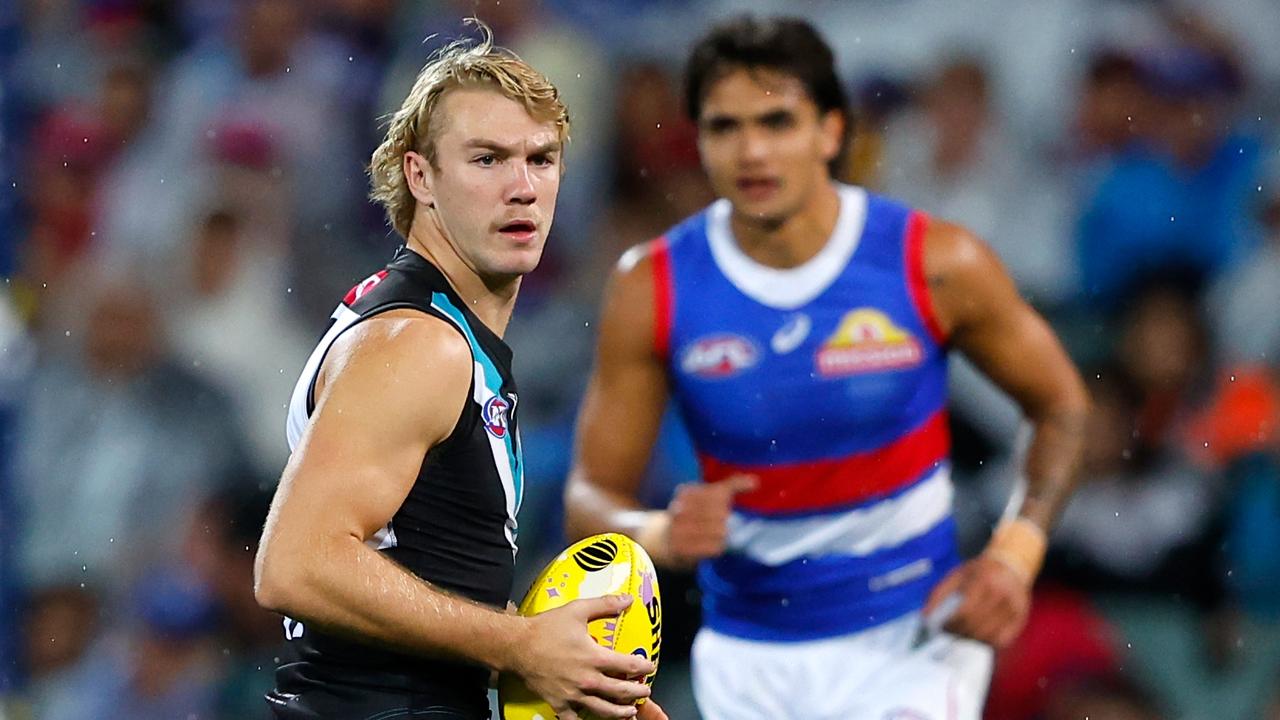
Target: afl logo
{"type": "Point", "coordinates": [496, 415]}
{"type": "Point", "coordinates": [719, 356]}
{"type": "Point", "coordinates": [597, 555]}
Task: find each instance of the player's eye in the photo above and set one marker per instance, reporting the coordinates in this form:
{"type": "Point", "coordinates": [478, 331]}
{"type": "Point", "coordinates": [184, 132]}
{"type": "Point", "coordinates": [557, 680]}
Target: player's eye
{"type": "Point", "coordinates": [486, 160]}
{"type": "Point", "coordinates": [778, 121]}
{"type": "Point", "coordinates": [719, 126]}
{"type": "Point", "coordinates": [542, 160]}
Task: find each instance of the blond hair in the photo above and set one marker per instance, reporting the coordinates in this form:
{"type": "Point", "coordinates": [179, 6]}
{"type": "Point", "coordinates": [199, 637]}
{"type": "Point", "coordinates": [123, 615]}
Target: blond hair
{"type": "Point", "coordinates": [414, 126]}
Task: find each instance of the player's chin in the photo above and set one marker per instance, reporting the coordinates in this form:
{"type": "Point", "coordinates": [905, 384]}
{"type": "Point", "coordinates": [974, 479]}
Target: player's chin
{"type": "Point", "coordinates": [766, 212]}
{"type": "Point", "coordinates": [517, 261]}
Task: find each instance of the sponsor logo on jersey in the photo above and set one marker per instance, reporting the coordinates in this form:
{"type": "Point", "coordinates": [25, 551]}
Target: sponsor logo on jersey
{"type": "Point", "coordinates": [364, 287]}
{"type": "Point", "coordinates": [496, 416]}
{"type": "Point", "coordinates": [865, 341]}
{"type": "Point", "coordinates": [791, 334]}
{"type": "Point", "coordinates": [719, 356]}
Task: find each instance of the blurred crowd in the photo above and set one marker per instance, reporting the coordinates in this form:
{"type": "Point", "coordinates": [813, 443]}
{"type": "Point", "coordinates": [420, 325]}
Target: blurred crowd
{"type": "Point", "coordinates": [183, 203]}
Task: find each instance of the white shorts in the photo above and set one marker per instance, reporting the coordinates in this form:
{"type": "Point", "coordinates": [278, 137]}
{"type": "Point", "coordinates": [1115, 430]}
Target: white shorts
{"type": "Point", "coordinates": [875, 674]}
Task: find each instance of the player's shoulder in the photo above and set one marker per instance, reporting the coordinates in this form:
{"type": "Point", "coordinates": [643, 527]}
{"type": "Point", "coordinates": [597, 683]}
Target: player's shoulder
{"type": "Point", "coordinates": [643, 259]}
{"type": "Point", "coordinates": [952, 249]}
{"type": "Point", "coordinates": [401, 339]}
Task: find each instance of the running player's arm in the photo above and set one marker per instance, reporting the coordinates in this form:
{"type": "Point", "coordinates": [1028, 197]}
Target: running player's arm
{"type": "Point", "coordinates": [617, 425]}
{"type": "Point", "coordinates": [978, 307]}
{"type": "Point", "coordinates": [393, 387]}
{"type": "Point", "coordinates": [621, 412]}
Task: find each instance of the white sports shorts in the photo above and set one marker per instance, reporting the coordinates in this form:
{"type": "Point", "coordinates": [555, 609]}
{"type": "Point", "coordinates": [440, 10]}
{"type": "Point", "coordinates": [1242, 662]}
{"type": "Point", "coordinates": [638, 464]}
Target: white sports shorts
{"type": "Point", "coordinates": [875, 674]}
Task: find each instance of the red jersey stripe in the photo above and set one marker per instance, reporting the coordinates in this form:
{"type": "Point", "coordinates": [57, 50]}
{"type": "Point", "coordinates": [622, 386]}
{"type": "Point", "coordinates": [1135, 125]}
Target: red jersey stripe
{"type": "Point", "coordinates": [809, 486]}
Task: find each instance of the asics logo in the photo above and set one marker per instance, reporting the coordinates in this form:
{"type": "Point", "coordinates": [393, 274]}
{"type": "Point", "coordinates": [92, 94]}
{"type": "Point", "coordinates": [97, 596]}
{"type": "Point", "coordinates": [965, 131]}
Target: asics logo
{"type": "Point", "coordinates": [791, 334]}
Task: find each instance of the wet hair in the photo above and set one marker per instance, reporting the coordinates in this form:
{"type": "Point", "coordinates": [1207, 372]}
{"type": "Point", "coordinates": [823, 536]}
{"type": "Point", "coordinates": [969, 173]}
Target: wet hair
{"type": "Point", "coordinates": [414, 127]}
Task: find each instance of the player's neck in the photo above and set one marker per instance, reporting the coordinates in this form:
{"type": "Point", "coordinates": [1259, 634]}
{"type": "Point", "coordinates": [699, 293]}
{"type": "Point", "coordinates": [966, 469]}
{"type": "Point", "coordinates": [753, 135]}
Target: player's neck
{"type": "Point", "coordinates": [794, 240]}
{"type": "Point", "coordinates": [490, 300]}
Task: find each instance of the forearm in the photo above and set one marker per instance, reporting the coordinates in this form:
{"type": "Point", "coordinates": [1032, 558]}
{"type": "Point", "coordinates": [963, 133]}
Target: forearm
{"type": "Point", "coordinates": [1020, 543]}
{"type": "Point", "coordinates": [345, 586]}
{"type": "Point", "coordinates": [591, 509]}
{"type": "Point", "coordinates": [1053, 461]}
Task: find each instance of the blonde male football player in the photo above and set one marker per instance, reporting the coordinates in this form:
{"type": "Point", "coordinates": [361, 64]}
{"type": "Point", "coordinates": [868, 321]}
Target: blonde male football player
{"type": "Point", "coordinates": [391, 541]}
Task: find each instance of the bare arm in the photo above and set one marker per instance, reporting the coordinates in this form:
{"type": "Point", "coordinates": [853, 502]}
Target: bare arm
{"type": "Point", "coordinates": [617, 426]}
{"type": "Point", "coordinates": [620, 414]}
{"type": "Point", "coordinates": [351, 472]}
{"type": "Point", "coordinates": [393, 387]}
{"type": "Point", "coordinates": [978, 306]}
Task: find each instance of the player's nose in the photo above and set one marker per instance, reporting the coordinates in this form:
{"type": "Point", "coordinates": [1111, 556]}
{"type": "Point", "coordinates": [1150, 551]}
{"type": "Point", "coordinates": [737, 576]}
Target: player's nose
{"type": "Point", "coordinates": [753, 146]}
{"type": "Point", "coordinates": [520, 189]}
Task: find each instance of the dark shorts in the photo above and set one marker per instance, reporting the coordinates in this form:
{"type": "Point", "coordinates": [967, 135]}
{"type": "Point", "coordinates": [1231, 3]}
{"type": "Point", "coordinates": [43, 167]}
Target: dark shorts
{"type": "Point", "coordinates": [305, 692]}
{"type": "Point", "coordinates": [364, 705]}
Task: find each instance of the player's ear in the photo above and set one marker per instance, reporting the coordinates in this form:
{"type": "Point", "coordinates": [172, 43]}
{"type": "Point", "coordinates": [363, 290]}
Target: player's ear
{"type": "Point", "coordinates": [832, 129]}
{"type": "Point", "coordinates": [417, 174]}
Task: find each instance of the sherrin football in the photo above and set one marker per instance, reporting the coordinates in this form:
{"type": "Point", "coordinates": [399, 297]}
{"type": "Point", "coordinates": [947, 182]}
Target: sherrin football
{"type": "Point", "coordinates": [608, 564]}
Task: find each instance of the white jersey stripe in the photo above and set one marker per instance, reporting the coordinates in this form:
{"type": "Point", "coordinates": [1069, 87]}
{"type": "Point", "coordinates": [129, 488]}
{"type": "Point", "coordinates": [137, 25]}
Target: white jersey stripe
{"type": "Point", "coordinates": [860, 532]}
{"type": "Point", "coordinates": [296, 421]}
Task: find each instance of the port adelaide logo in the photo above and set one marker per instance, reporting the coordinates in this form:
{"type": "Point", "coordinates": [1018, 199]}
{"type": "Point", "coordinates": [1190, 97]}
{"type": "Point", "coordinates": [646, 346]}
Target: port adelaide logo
{"type": "Point", "coordinates": [497, 416]}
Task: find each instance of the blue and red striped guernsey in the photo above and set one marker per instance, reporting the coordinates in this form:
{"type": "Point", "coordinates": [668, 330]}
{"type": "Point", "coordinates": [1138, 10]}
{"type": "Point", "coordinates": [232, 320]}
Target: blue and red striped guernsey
{"type": "Point", "coordinates": [828, 383]}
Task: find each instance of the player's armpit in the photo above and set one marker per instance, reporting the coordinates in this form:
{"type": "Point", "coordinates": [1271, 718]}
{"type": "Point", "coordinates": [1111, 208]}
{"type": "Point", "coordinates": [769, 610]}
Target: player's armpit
{"type": "Point", "coordinates": [622, 410]}
{"type": "Point", "coordinates": [978, 307]}
{"type": "Point", "coordinates": [392, 387]}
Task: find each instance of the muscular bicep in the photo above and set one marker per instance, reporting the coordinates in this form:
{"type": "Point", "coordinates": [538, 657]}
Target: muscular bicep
{"type": "Point", "coordinates": [627, 392]}
{"type": "Point", "coordinates": [987, 320]}
{"type": "Point", "coordinates": [393, 387]}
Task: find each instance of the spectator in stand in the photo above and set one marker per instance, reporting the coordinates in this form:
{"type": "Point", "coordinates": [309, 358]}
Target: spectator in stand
{"type": "Point", "coordinates": [1143, 519]}
{"type": "Point", "coordinates": [954, 159]}
{"type": "Point", "coordinates": [164, 667]}
{"type": "Point", "coordinates": [221, 542]}
{"type": "Point", "coordinates": [1186, 196]}
{"type": "Point", "coordinates": [231, 300]}
{"type": "Point", "coordinates": [112, 430]}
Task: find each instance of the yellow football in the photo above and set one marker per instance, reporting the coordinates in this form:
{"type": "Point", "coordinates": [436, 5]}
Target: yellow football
{"type": "Point", "coordinates": [608, 564]}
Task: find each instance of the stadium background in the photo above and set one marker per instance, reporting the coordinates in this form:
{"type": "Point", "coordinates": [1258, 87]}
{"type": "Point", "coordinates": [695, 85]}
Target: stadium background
{"type": "Point", "coordinates": [182, 203]}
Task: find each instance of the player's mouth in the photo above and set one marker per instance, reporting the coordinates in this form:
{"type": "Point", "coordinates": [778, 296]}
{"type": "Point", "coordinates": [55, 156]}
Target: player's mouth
{"type": "Point", "coordinates": [521, 231]}
{"type": "Point", "coordinates": [758, 188]}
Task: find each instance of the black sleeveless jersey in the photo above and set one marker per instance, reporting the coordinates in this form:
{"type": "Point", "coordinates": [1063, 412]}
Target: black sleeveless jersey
{"type": "Point", "coordinates": [457, 527]}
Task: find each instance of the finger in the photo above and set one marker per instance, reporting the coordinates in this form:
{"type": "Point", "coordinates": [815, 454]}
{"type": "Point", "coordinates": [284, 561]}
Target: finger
{"type": "Point", "coordinates": [621, 691]}
{"type": "Point", "coordinates": [599, 707]}
{"type": "Point", "coordinates": [606, 606]}
{"type": "Point", "coordinates": [650, 711]}
{"type": "Point", "coordinates": [949, 585]}
{"type": "Point", "coordinates": [1009, 634]}
{"type": "Point", "coordinates": [991, 615]}
{"type": "Point", "coordinates": [680, 498]}
{"type": "Point", "coordinates": [969, 615]}
{"type": "Point", "coordinates": [735, 484]}
{"type": "Point", "coordinates": [618, 665]}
